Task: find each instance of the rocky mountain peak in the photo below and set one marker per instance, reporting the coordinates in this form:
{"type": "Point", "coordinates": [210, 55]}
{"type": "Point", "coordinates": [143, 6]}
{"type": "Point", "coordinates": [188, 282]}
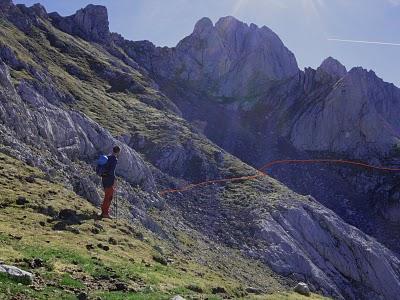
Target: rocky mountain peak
{"type": "Point", "coordinates": [233, 54]}
{"type": "Point", "coordinates": [229, 23]}
{"type": "Point", "coordinates": [90, 23]}
{"type": "Point", "coordinates": [39, 10]}
{"type": "Point", "coordinates": [204, 25]}
{"type": "Point", "coordinates": [333, 67]}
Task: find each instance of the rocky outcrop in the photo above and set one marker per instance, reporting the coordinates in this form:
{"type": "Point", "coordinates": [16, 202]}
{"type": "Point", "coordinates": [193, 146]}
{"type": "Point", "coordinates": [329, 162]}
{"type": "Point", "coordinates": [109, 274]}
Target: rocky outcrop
{"type": "Point", "coordinates": [230, 59]}
{"type": "Point", "coordinates": [357, 117]}
{"type": "Point", "coordinates": [69, 135]}
{"type": "Point", "coordinates": [333, 67]}
{"type": "Point", "coordinates": [319, 244]}
{"type": "Point", "coordinates": [90, 23]}
{"type": "Point", "coordinates": [300, 239]}
{"type": "Point", "coordinates": [302, 288]}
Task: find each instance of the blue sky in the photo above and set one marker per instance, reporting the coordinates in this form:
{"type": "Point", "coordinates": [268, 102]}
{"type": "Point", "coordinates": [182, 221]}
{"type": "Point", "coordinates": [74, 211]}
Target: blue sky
{"type": "Point", "coordinates": [304, 25]}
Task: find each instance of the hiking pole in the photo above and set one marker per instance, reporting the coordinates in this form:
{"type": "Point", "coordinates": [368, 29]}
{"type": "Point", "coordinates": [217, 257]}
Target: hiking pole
{"type": "Point", "coordinates": [116, 206]}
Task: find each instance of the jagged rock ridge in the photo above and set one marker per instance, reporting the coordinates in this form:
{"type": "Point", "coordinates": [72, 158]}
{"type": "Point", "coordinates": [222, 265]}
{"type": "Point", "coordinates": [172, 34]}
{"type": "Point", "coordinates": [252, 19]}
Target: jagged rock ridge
{"type": "Point", "coordinates": [90, 23]}
{"type": "Point", "coordinates": [333, 67]}
{"type": "Point", "coordinates": [229, 60]}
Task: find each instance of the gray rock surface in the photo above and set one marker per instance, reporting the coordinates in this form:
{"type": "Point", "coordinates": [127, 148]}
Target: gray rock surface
{"type": "Point", "coordinates": [312, 241]}
{"type": "Point", "coordinates": [177, 298]}
{"type": "Point", "coordinates": [299, 238]}
{"type": "Point", "coordinates": [358, 116]}
{"type": "Point", "coordinates": [17, 273]}
{"type": "Point", "coordinates": [68, 134]}
{"type": "Point", "coordinates": [333, 67]}
{"type": "Point", "coordinates": [230, 59]}
{"type": "Point", "coordinates": [90, 23]}
{"type": "Point", "coordinates": [302, 288]}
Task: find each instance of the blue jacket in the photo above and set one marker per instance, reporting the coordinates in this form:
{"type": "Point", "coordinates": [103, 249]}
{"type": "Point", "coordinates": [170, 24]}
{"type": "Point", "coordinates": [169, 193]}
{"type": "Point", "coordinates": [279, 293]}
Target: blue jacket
{"type": "Point", "coordinates": [109, 178]}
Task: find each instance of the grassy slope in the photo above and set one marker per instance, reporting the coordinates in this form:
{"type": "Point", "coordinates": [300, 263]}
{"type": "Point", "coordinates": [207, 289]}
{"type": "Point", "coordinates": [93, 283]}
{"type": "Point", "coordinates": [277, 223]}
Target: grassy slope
{"type": "Point", "coordinates": [69, 267]}
{"type": "Point", "coordinates": [120, 113]}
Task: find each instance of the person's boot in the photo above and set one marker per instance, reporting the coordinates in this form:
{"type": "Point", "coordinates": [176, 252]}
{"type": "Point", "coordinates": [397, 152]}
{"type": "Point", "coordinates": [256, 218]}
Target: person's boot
{"type": "Point", "coordinates": [107, 216]}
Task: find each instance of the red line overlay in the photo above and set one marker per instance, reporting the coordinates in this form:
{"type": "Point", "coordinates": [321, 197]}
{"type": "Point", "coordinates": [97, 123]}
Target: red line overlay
{"type": "Point", "coordinates": [261, 172]}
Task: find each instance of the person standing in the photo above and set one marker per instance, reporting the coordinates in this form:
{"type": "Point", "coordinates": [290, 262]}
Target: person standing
{"type": "Point", "coordinates": [108, 181]}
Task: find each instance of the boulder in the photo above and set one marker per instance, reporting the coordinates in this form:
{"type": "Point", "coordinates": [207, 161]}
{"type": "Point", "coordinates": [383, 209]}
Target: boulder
{"type": "Point", "coordinates": [68, 215]}
{"type": "Point", "coordinates": [36, 263]}
{"type": "Point", "coordinates": [21, 200]}
{"type": "Point", "coordinates": [303, 289]}
{"type": "Point", "coordinates": [17, 274]}
{"type": "Point", "coordinates": [160, 259]}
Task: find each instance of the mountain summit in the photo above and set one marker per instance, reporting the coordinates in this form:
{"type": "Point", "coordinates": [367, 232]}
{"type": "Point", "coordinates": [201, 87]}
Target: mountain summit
{"type": "Point", "coordinates": [232, 48]}
{"type": "Point", "coordinates": [90, 23]}
{"type": "Point", "coordinates": [230, 59]}
{"type": "Point", "coordinates": [333, 67]}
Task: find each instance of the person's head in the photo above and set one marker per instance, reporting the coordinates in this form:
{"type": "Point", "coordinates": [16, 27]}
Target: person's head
{"type": "Point", "coordinates": [116, 150]}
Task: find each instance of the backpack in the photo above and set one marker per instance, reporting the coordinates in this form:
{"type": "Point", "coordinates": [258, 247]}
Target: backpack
{"type": "Point", "coordinates": [101, 165]}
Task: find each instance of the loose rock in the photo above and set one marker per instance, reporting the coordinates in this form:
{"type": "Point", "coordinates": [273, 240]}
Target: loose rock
{"type": "Point", "coordinates": [112, 241]}
{"type": "Point", "coordinates": [82, 296]}
{"type": "Point", "coordinates": [36, 263]}
{"type": "Point", "coordinates": [95, 230]}
{"type": "Point", "coordinates": [68, 215]}
{"type": "Point", "coordinates": [18, 274]}
{"type": "Point", "coordinates": [302, 288]}
{"type": "Point", "coordinates": [195, 288]}
{"type": "Point", "coordinates": [218, 290]}
{"type": "Point", "coordinates": [21, 201]}
{"type": "Point", "coordinates": [253, 290]}
{"type": "Point", "coordinates": [160, 260]}
{"type": "Point", "coordinates": [120, 286]}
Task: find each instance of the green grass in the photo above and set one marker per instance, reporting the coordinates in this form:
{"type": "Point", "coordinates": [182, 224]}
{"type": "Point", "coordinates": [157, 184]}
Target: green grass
{"type": "Point", "coordinates": [67, 280]}
{"type": "Point", "coordinates": [71, 267]}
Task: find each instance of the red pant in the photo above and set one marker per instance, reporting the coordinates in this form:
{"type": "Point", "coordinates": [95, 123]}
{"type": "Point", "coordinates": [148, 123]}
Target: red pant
{"type": "Point", "coordinates": [108, 196]}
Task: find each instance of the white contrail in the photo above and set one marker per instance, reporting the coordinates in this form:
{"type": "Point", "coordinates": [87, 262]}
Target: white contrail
{"type": "Point", "coordinates": [364, 42]}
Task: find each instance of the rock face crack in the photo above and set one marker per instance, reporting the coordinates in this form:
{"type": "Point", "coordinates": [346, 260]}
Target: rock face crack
{"type": "Point", "coordinates": [335, 258]}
